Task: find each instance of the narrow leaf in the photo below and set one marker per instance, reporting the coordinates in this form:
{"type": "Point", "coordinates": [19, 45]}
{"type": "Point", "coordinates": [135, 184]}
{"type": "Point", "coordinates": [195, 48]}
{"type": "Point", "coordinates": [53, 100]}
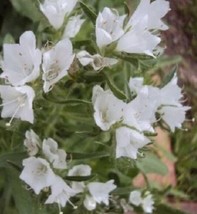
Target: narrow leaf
{"type": "Point", "coordinates": [89, 12]}
{"type": "Point", "coordinates": [79, 178]}
{"type": "Point", "coordinates": [82, 156]}
{"type": "Point", "coordinates": [117, 92]}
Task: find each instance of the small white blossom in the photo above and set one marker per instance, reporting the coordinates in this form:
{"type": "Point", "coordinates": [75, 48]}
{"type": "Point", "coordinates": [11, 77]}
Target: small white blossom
{"type": "Point", "coordinates": [135, 198]}
{"type": "Point", "coordinates": [73, 26]}
{"type": "Point", "coordinates": [17, 102]}
{"type": "Point", "coordinates": [56, 156]}
{"type": "Point", "coordinates": [173, 116]}
{"type": "Point", "coordinates": [169, 105]}
{"type": "Point", "coordinates": [56, 10]}
{"type": "Point", "coordinates": [79, 170]}
{"type": "Point", "coordinates": [147, 204]}
{"type": "Point", "coordinates": [89, 203]}
{"type": "Point", "coordinates": [21, 62]}
{"type": "Point", "coordinates": [56, 63]}
{"type": "Point", "coordinates": [109, 27]}
{"type": "Point", "coordinates": [32, 142]}
{"type": "Point", "coordinates": [37, 174]}
{"type": "Point", "coordinates": [96, 61]}
{"type": "Point", "coordinates": [107, 108]}
{"type": "Point", "coordinates": [60, 192]}
{"type": "Point", "coordinates": [128, 141]}
{"type": "Point", "coordinates": [99, 193]}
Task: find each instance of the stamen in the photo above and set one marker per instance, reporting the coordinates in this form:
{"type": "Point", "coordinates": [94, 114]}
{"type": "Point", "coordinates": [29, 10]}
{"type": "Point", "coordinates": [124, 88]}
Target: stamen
{"type": "Point", "coordinates": [16, 111]}
{"type": "Point", "coordinates": [74, 207]}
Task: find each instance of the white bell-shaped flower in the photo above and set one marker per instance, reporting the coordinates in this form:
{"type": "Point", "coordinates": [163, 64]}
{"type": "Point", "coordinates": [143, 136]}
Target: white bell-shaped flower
{"type": "Point", "coordinates": [37, 174]}
{"type": "Point", "coordinates": [89, 203]}
{"type": "Point", "coordinates": [109, 27]}
{"type": "Point", "coordinates": [108, 109]}
{"type": "Point", "coordinates": [21, 62]}
{"type": "Point", "coordinates": [17, 103]}
{"type": "Point", "coordinates": [79, 170]}
{"type": "Point", "coordinates": [31, 142]}
{"type": "Point", "coordinates": [56, 63]}
{"type": "Point", "coordinates": [153, 11]}
{"type": "Point", "coordinates": [96, 61]}
{"type": "Point", "coordinates": [173, 116]}
{"type": "Point", "coordinates": [73, 26]}
{"type": "Point", "coordinates": [138, 40]}
{"type": "Point", "coordinates": [56, 10]}
{"type": "Point", "coordinates": [60, 192]}
{"type": "Point", "coordinates": [55, 156]}
{"type": "Point", "coordinates": [147, 204]}
{"type": "Point", "coordinates": [169, 105]}
{"type": "Point", "coordinates": [135, 198]}
{"type": "Point", "coordinates": [128, 142]}
{"type": "Point", "coordinates": [100, 191]}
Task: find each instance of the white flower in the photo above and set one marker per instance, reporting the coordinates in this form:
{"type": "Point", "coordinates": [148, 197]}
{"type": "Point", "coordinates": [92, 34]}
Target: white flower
{"type": "Point", "coordinates": [37, 174]}
{"type": "Point", "coordinates": [96, 61]}
{"type": "Point", "coordinates": [169, 105]}
{"type": "Point", "coordinates": [135, 198]}
{"type": "Point", "coordinates": [79, 170]}
{"type": "Point", "coordinates": [73, 26]}
{"type": "Point", "coordinates": [173, 116]}
{"type": "Point", "coordinates": [138, 40]}
{"type": "Point", "coordinates": [60, 192]}
{"type": "Point", "coordinates": [109, 27]}
{"type": "Point", "coordinates": [147, 204]}
{"type": "Point", "coordinates": [171, 94]}
{"type": "Point", "coordinates": [128, 141]}
{"type": "Point", "coordinates": [56, 10]}
{"type": "Point", "coordinates": [21, 63]}
{"type": "Point", "coordinates": [17, 103]}
{"type": "Point", "coordinates": [89, 203]}
{"type": "Point", "coordinates": [140, 112]}
{"type": "Point", "coordinates": [56, 63]}
{"type": "Point", "coordinates": [56, 156]}
{"type": "Point", "coordinates": [100, 191]}
{"type": "Point", "coordinates": [107, 108]}
{"type": "Point", "coordinates": [153, 12]}
{"type": "Point", "coordinates": [32, 142]}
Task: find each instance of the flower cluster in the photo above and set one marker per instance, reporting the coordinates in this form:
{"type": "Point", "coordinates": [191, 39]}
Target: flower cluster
{"type": "Point", "coordinates": [132, 120]}
{"type": "Point", "coordinates": [39, 173]}
{"type": "Point", "coordinates": [139, 116]}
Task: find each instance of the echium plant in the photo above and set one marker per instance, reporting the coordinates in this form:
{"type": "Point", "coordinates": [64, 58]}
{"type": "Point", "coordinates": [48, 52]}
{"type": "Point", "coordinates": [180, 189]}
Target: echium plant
{"type": "Point", "coordinates": [83, 89]}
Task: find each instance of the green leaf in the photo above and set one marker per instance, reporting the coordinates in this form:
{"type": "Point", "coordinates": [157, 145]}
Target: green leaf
{"type": "Point", "coordinates": [89, 12]}
{"type": "Point", "coordinates": [117, 92]}
{"type": "Point", "coordinates": [27, 8]}
{"type": "Point", "coordinates": [23, 200]}
{"type": "Point", "coordinates": [12, 157]}
{"type": "Point", "coordinates": [123, 190]}
{"type": "Point", "coordinates": [169, 76]}
{"type": "Point", "coordinates": [151, 164]}
{"type": "Point", "coordinates": [82, 156]}
{"type": "Point", "coordinates": [79, 178]}
{"type": "Point", "coordinates": [66, 102]}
